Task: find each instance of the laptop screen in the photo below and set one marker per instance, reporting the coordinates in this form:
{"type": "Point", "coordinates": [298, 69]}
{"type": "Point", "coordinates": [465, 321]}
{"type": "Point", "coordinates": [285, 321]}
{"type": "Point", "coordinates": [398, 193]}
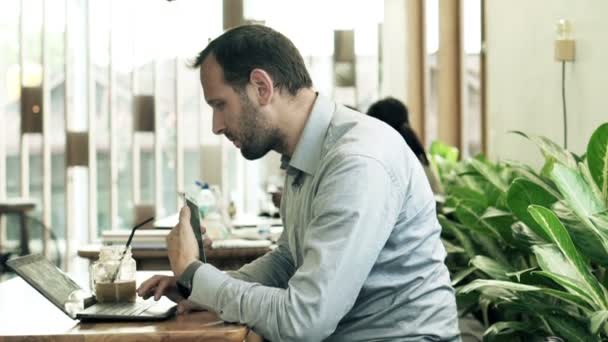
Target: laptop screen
{"type": "Point", "coordinates": [45, 277]}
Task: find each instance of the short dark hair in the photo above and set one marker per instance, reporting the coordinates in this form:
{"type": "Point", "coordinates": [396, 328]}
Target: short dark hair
{"type": "Point", "coordinates": [240, 50]}
{"type": "Point", "coordinates": [391, 111]}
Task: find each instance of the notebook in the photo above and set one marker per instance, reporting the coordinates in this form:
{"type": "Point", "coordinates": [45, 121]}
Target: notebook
{"type": "Point", "coordinates": [61, 290]}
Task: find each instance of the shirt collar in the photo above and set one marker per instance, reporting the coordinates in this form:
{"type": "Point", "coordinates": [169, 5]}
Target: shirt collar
{"type": "Point", "coordinates": [307, 154]}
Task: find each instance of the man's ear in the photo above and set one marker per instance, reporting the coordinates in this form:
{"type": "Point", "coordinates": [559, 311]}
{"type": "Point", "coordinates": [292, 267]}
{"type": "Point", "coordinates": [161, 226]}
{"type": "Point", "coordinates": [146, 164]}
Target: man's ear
{"type": "Point", "coordinates": [263, 85]}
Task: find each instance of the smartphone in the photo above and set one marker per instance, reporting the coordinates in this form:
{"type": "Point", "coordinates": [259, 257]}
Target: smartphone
{"type": "Point", "coordinates": [195, 222]}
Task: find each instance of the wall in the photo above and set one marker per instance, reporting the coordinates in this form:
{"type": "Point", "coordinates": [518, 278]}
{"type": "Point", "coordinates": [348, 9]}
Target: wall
{"type": "Point", "coordinates": [524, 89]}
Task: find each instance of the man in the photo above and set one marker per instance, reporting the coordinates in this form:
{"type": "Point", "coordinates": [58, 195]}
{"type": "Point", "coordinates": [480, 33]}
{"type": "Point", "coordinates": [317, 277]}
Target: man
{"type": "Point", "coordinates": [360, 257]}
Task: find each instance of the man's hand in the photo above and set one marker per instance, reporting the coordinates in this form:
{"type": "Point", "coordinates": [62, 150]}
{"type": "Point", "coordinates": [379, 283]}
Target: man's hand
{"type": "Point", "coordinates": [159, 286]}
{"type": "Point", "coordinates": [182, 248]}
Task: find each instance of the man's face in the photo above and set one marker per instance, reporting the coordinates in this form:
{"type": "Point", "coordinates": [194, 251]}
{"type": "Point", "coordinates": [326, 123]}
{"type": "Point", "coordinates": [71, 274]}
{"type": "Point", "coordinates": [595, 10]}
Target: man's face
{"type": "Point", "coordinates": [235, 115]}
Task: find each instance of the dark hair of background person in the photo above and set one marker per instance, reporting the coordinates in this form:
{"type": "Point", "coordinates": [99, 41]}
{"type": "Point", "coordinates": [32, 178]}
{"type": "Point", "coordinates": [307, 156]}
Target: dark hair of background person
{"type": "Point", "coordinates": [244, 48]}
{"type": "Point", "coordinates": [395, 114]}
{"type": "Point", "coordinates": [391, 111]}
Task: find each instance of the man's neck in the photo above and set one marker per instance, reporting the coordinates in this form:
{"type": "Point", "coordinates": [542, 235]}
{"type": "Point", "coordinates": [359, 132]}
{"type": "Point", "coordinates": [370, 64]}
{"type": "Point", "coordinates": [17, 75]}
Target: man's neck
{"type": "Point", "coordinates": [293, 118]}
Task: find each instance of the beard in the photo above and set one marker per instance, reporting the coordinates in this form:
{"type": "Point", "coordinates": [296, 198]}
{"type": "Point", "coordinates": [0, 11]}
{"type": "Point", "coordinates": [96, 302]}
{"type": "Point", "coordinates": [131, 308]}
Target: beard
{"type": "Point", "coordinates": [257, 136]}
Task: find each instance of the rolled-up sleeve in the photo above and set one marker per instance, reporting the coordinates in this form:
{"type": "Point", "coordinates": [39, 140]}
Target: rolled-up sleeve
{"type": "Point", "coordinates": [354, 211]}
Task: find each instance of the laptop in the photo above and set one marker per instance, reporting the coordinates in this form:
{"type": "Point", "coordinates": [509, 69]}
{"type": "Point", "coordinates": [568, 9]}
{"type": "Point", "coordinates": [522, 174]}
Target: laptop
{"type": "Point", "coordinates": [76, 302]}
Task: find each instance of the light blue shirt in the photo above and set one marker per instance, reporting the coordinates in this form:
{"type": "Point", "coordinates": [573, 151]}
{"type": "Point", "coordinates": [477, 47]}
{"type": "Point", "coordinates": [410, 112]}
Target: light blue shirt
{"type": "Point", "coordinates": [360, 257]}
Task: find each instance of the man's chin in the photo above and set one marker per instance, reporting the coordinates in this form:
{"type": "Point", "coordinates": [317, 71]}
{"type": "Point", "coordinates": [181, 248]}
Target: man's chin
{"type": "Point", "coordinates": [252, 155]}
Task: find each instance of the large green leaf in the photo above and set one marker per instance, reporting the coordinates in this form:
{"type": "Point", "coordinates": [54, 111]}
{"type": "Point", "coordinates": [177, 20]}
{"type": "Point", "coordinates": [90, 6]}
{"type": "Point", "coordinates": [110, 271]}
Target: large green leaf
{"type": "Point", "coordinates": [502, 289]}
{"type": "Point", "coordinates": [589, 244]}
{"type": "Point", "coordinates": [445, 151]}
{"type": "Point", "coordinates": [471, 209]}
{"type": "Point", "coordinates": [573, 287]}
{"type": "Point", "coordinates": [589, 241]}
{"type": "Point", "coordinates": [597, 158]}
{"type": "Point", "coordinates": [492, 213]}
{"type": "Point", "coordinates": [492, 268]}
{"type": "Point", "coordinates": [600, 221]}
{"type": "Point", "coordinates": [565, 213]}
{"type": "Point", "coordinates": [508, 328]}
{"type": "Point", "coordinates": [558, 234]}
{"type": "Point", "coordinates": [478, 284]}
{"type": "Point", "coordinates": [581, 199]}
{"type": "Point", "coordinates": [518, 274]}
{"type": "Point", "coordinates": [458, 277]}
{"type": "Point", "coordinates": [597, 320]}
{"type": "Point", "coordinates": [588, 235]}
{"type": "Point", "coordinates": [467, 303]}
{"type": "Point", "coordinates": [570, 329]}
{"type": "Point", "coordinates": [551, 150]}
{"type": "Point", "coordinates": [487, 178]}
{"type": "Point", "coordinates": [545, 171]}
{"type": "Point", "coordinates": [492, 247]}
{"type": "Point", "coordinates": [555, 266]}
{"type": "Point", "coordinates": [525, 171]}
{"type": "Point", "coordinates": [459, 234]}
{"type": "Point", "coordinates": [469, 195]}
{"type": "Point", "coordinates": [451, 248]}
{"type": "Point", "coordinates": [470, 179]}
{"type": "Point", "coordinates": [551, 259]}
{"type": "Point", "coordinates": [522, 193]}
{"type": "Point", "coordinates": [576, 191]}
{"type": "Point", "coordinates": [595, 190]}
{"type": "Point", "coordinates": [489, 173]}
{"type": "Point", "coordinates": [469, 214]}
{"type": "Point", "coordinates": [499, 221]}
{"type": "Point", "coordinates": [568, 298]}
{"type": "Point", "coordinates": [524, 236]}
{"type": "Point", "coordinates": [538, 303]}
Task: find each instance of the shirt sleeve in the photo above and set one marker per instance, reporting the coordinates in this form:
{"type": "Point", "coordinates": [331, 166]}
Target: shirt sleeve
{"type": "Point", "coordinates": [184, 282]}
{"type": "Point", "coordinates": [354, 212]}
{"type": "Point", "coordinates": [273, 269]}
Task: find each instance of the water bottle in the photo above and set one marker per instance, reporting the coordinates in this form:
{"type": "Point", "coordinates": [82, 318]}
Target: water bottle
{"type": "Point", "coordinates": [206, 200]}
{"type": "Point", "coordinates": [211, 215]}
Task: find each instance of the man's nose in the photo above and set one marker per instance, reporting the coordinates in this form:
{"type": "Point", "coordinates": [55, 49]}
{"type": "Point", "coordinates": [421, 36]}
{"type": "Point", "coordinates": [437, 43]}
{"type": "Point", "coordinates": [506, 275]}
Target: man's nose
{"type": "Point", "coordinates": [218, 124]}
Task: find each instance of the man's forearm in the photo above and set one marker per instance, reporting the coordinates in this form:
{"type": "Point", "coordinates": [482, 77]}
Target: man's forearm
{"type": "Point", "coordinates": [273, 269]}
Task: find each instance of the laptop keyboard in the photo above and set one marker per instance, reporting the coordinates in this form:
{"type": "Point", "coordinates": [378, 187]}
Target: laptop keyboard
{"type": "Point", "coordinates": [120, 309]}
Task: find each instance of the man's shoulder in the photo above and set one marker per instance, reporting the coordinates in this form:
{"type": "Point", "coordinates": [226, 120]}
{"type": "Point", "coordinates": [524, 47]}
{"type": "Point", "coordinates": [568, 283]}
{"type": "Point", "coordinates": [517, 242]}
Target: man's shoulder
{"type": "Point", "coordinates": [351, 133]}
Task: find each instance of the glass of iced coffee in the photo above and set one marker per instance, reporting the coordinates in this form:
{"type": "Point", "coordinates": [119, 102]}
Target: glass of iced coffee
{"type": "Point", "coordinates": [113, 279]}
